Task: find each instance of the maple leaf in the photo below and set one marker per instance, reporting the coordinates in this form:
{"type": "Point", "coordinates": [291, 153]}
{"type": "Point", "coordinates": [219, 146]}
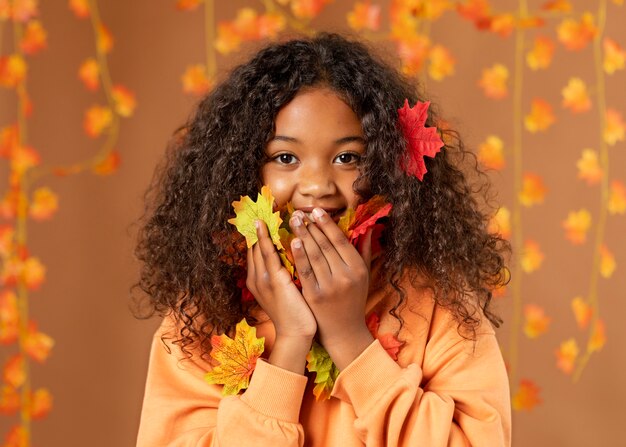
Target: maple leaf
{"type": "Point", "coordinates": [533, 190]}
{"type": "Point", "coordinates": [37, 344]}
{"type": "Point", "coordinates": [9, 400]}
{"type": "Point", "coordinates": [422, 141]}
{"type": "Point", "coordinates": [540, 56]}
{"type": "Point", "coordinates": [607, 262]}
{"type": "Point", "coordinates": [270, 25]}
{"type": "Point", "coordinates": [365, 217]}
{"type": "Point", "coordinates": [491, 153]}
{"type": "Point", "coordinates": [108, 165]}
{"type": "Point", "coordinates": [500, 223]}
{"type": "Point", "coordinates": [576, 226]}
{"type": "Point", "coordinates": [598, 337]}
{"type": "Point", "coordinates": [576, 35]}
{"type": "Point", "coordinates": [40, 403]}
{"type": "Point", "coordinates": [33, 273]}
{"type": "Point", "coordinates": [44, 204]}
{"type": "Point", "coordinates": [13, 372]}
{"type": "Point", "coordinates": [247, 212]}
{"type": "Point", "coordinates": [441, 62]}
{"type": "Point", "coordinates": [364, 16]}
{"type": "Point", "coordinates": [532, 257]}
{"type": "Point", "coordinates": [326, 372]}
{"type": "Point", "coordinates": [536, 322]}
{"type": "Point", "coordinates": [615, 129]}
{"type": "Point", "coordinates": [237, 358]}
{"type": "Point", "coordinates": [617, 198]}
{"type": "Point", "coordinates": [124, 99]}
{"type": "Point", "coordinates": [589, 167]}
{"type": "Point", "coordinates": [308, 9]}
{"type": "Point", "coordinates": [541, 116]}
{"type": "Point", "coordinates": [502, 24]}
{"type": "Point", "coordinates": [493, 81]}
{"type": "Point", "coordinates": [413, 50]}
{"type": "Point", "coordinates": [582, 312]}
{"type": "Point", "coordinates": [566, 355]}
{"type": "Point", "coordinates": [614, 56]}
{"type": "Point", "coordinates": [575, 96]}
{"type": "Point", "coordinates": [80, 8]}
{"type": "Point", "coordinates": [17, 437]}
{"type": "Point", "coordinates": [105, 39]}
{"type": "Point", "coordinates": [195, 80]}
{"type": "Point", "coordinates": [527, 396]}
{"type": "Point", "coordinates": [13, 70]}
{"type": "Point", "coordinates": [89, 74]}
{"type": "Point", "coordinates": [34, 39]}
{"type": "Point", "coordinates": [97, 119]}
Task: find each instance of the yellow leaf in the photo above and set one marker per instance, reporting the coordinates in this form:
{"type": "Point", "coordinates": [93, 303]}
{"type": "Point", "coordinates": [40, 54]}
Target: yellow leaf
{"type": "Point", "coordinates": [617, 198]}
{"type": "Point", "coordinates": [493, 81]}
{"type": "Point", "coordinates": [589, 167]}
{"type": "Point", "coordinates": [532, 257]}
{"type": "Point", "coordinates": [33, 273]}
{"type": "Point", "coordinates": [237, 358]}
{"type": "Point", "coordinates": [491, 153]}
{"type": "Point", "coordinates": [533, 190]}
{"type": "Point", "coordinates": [576, 35]}
{"type": "Point", "coordinates": [247, 212]}
{"type": "Point", "coordinates": [441, 62]}
{"type": "Point", "coordinates": [44, 204]}
{"type": "Point", "coordinates": [614, 56]}
{"type": "Point", "coordinates": [540, 56]}
{"type": "Point", "coordinates": [364, 16]}
{"type": "Point", "coordinates": [575, 96]}
{"type": "Point", "coordinates": [500, 223]}
{"type": "Point", "coordinates": [576, 226]}
{"type": "Point", "coordinates": [615, 128]}
{"type": "Point", "coordinates": [536, 322]}
{"type": "Point", "coordinates": [582, 312]}
{"type": "Point", "coordinates": [607, 262]}
{"type": "Point", "coordinates": [13, 70]}
{"type": "Point", "coordinates": [326, 372]}
{"type": "Point", "coordinates": [540, 117]}
{"type": "Point", "coordinates": [566, 355]}
{"type": "Point", "coordinates": [195, 80]}
{"type": "Point", "coordinates": [598, 337]}
{"type": "Point", "coordinates": [124, 99]}
{"type": "Point", "coordinates": [97, 119]}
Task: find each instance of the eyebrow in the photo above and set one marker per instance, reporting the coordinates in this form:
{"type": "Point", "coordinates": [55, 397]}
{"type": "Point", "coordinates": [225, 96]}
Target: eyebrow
{"type": "Point", "coordinates": [338, 142]}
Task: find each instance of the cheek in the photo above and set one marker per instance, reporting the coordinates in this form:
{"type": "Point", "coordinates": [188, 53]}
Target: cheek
{"type": "Point", "coordinates": [279, 183]}
{"type": "Point", "coordinates": [347, 189]}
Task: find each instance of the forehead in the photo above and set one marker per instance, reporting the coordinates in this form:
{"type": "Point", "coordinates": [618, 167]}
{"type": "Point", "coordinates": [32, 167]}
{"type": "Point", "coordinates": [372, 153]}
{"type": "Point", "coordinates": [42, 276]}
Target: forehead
{"type": "Point", "coordinates": [317, 110]}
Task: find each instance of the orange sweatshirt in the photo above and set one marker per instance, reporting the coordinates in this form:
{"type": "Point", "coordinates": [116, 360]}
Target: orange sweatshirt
{"type": "Point", "coordinates": [444, 390]}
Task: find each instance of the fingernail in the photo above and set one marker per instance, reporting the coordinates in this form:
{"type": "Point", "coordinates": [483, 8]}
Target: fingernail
{"type": "Point", "coordinates": [297, 243]}
{"type": "Point", "coordinates": [296, 221]}
{"type": "Point", "coordinates": [318, 213]}
{"type": "Point", "coordinates": [257, 224]}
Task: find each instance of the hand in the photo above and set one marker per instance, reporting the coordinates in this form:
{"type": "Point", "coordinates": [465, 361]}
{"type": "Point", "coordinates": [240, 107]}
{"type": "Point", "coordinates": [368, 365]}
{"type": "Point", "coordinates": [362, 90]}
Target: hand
{"type": "Point", "coordinates": [335, 283]}
{"type": "Point", "coordinates": [274, 290]}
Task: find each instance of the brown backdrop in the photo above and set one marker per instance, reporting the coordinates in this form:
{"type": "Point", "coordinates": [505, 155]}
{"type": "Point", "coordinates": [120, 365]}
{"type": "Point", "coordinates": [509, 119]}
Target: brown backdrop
{"type": "Point", "coordinates": [97, 369]}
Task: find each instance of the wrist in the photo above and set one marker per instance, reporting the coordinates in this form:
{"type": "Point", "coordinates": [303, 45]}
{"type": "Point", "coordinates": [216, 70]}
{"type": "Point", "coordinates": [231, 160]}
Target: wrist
{"type": "Point", "coordinates": [289, 352]}
{"type": "Point", "coordinates": [344, 349]}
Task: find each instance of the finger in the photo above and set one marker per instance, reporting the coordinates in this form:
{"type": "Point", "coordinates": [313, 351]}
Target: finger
{"type": "Point", "coordinates": [316, 258]}
{"type": "Point", "coordinates": [365, 248]}
{"type": "Point", "coordinates": [344, 249]}
{"type": "Point", "coordinates": [251, 275]}
{"type": "Point", "coordinates": [267, 248]}
{"type": "Point", "coordinates": [327, 247]}
{"type": "Point", "coordinates": [303, 266]}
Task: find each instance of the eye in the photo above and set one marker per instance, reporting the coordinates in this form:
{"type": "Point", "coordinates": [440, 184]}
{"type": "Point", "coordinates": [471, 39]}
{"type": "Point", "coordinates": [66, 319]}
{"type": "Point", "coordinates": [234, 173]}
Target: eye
{"type": "Point", "coordinates": [285, 159]}
{"type": "Point", "coordinates": [347, 158]}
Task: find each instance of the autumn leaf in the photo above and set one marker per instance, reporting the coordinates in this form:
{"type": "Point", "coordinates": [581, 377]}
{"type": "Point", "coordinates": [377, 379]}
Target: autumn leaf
{"type": "Point", "coordinates": [540, 57]}
{"type": "Point", "coordinates": [80, 8]}
{"type": "Point", "coordinates": [23, 158]}
{"type": "Point", "coordinates": [536, 322]}
{"type": "Point", "coordinates": [9, 140]}
{"type": "Point", "coordinates": [575, 35]}
{"type": "Point", "coordinates": [541, 116]}
{"type": "Point", "coordinates": [37, 344]}
{"type": "Point", "coordinates": [89, 74]}
{"type": "Point", "coordinates": [34, 39]}
{"type": "Point", "coordinates": [478, 11]}
{"type": "Point", "coordinates": [589, 168]}
{"type": "Point", "coordinates": [500, 223]}
{"type": "Point", "coordinates": [24, 10]}
{"type": "Point", "coordinates": [326, 372]}
{"type": "Point", "coordinates": [9, 317]}
{"type": "Point", "coordinates": [195, 80]}
{"type": "Point", "coordinates": [493, 81]}
{"type": "Point", "coordinates": [533, 190]}
{"type": "Point", "coordinates": [247, 212]}
{"type": "Point", "coordinates": [614, 56]}
{"type": "Point", "coordinates": [557, 6]}
{"type": "Point", "coordinates": [188, 5]}
{"type": "Point", "coordinates": [270, 25]}
{"type": "Point", "coordinates": [16, 437]}
{"type": "Point", "coordinates": [228, 39]}
{"type": "Point", "coordinates": [97, 119]}
{"type": "Point", "coordinates": [527, 396]}
{"type": "Point", "coordinates": [615, 128]}
{"type": "Point", "coordinates": [422, 141]}
{"type": "Point", "coordinates": [575, 96]}
{"type": "Point", "coordinates": [364, 16]}
{"type": "Point", "coordinates": [413, 52]}
{"type": "Point", "coordinates": [566, 355]}
{"type": "Point", "coordinates": [441, 62]}
{"type": "Point", "coordinates": [13, 372]}
{"type": "Point", "coordinates": [13, 70]}
{"type": "Point", "coordinates": [108, 165]}
{"type": "Point", "coordinates": [502, 24]}
{"type": "Point", "coordinates": [366, 216]}
{"type": "Point", "coordinates": [598, 337]}
{"type": "Point", "coordinates": [236, 357]}
{"type": "Point", "coordinates": [40, 403]}
{"type": "Point", "coordinates": [607, 262]}
{"type": "Point", "coordinates": [582, 312]}
{"type": "Point", "coordinates": [7, 236]}
{"type": "Point", "coordinates": [44, 204]}
{"type": "Point", "coordinates": [491, 153]}
{"type": "Point", "coordinates": [388, 340]}
{"type": "Point", "coordinates": [105, 39]}
{"type": "Point", "coordinates": [9, 400]}
{"type": "Point", "coordinates": [617, 198]}
{"type": "Point", "coordinates": [33, 273]}
{"type": "Point", "coordinates": [532, 257]}
{"type": "Point", "coordinates": [576, 226]}
{"type": "Point", "coordinates": [308, 9]}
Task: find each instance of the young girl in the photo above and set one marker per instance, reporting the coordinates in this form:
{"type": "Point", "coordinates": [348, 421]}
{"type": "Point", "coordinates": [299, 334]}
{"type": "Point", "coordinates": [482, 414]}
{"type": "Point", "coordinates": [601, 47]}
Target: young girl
{"type": "Point", "coordinates": [318, 121]}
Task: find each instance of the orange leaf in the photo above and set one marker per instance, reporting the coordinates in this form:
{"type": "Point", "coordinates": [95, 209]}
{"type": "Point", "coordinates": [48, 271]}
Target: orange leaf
{"type": "Point", "coordinates": [598, 337]}
{"type": "Point", "coordinates": [24, 10]}
{"type": "Point", "coordinates": [527, 396]}
{"type": "Point", "coordinates": [308, 9]}
{"type": "Point", "coordinates": [7, 235]}
{"type": "Point", "coordinates": [13, 372]}
{"type": "Point", "coordinates": [533, 190]}
{"type": "Point", "coordinates": [97, 119]}
{"type": "Point", "coordinates": [589, 167]}
{"type": "Point", "coordinates": [576, 35]}
{"type": "Point", "coordinates": [195, 80]}
{"type": "Point", "coordinates": [474, 10]}
{"type": "Point", "coordinates": [614, 56]}
{"type": "Point", "coordinates": [23, 158]}
{"type": "Point", "coordinates": [270, 25]}
{"type": "Point", "coordinates": [536, 322]}
{"type": "Point", "coordinates": [34, 39]}
{"type": "Point", "coordinates": [37, 344]}
{"type": "Point", "coordinates": [364, 16]}
{"type": "Point", "coordinates": [617, 198]}
{"type": "Point", "coordinates": [11, 203]}
{"type": "Point", "coordinates": [13, 70]}
{"type": "Point", "coordinates": [441, 62]}
{"type": "Point", "coordinates": [557, 6]}
{"type": "Point", "coordinates": [607, 262]}
{"type": "Point", "coordinates": [44, 204]}
{"type": "Point", "coordinates": [105, 39]}
{"type": "Point", "coordinates": [388, 340]}
{"type": "Point", "coordinates": [541, 116]}
{"type": "Point", "coordinates": [615, 129]}
{"type": "Point", "coordinates": [532, 257]}
{"type": "Point", "coordinates": [491, 153]}
{"type": "Point", "coordinates": [187, 5]}
{"type": "Point", "coordinates": [500, 223]}
{"type": "Point", "coordinates": [502, 24]}
{"type": "Point", "coordinates": [566, 355]}
{"type": "Point", "coordinates": [236, 357]}
{"type": "Point", "coordinates": [493, 81]}
{"type": "Point", "coordinates": [9, 140]}
{"type": "Point", "coordinates": [413, 51]}
{"type": "Point", "coordinates": [540, 56]}
{"type": "Point", "coordinates": [33, 273]}
{"type": "Point", "coordinates": [9, 400]}
{"type": "Point", "coordinates": [108, 165]}
{"type": "Point", "coordinates": [124, 100]}
{"type": "Point", "coordinates": [16, 437]}
{"type": "Point", "coordinates": [80, 8]}
{"type": "Point", "coordinates": [89, 74]}
{"type": "Point", "coordinates": [228, 38]}
{"type": "Point", "coordinates": [576, 226]}
{"type": "Point", "coordinates": [575, 96]}
{"type": "Point", "coordinates": [582, 312]}
{"type": "Point", "coordinates": [9, 317]}
{"type": "Point", "coordinates": [40, 403]}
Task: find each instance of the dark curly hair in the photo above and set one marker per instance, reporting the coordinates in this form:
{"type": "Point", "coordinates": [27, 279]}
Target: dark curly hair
{"type": "Point", "coordinates": [437, 227]}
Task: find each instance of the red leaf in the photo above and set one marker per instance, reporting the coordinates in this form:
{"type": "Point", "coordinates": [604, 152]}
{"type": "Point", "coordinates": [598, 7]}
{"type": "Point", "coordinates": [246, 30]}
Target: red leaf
{"type": "Point", "coordinates": [422, 141]}
{"type": "Point", "coordinates": [366, 215]}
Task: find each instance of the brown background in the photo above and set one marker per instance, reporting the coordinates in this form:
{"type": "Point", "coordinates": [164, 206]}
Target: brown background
{"type": "Point", "coordinates": [97, 369]}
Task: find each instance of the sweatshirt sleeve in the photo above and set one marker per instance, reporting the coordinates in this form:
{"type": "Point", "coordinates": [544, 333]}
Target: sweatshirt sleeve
{"type": "Point", "coordinates": [461, 400]}
{"type": "Point", "coordinates": [181, 409]}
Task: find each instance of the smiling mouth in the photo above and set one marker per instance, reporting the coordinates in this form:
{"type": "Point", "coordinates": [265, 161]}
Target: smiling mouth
{"type": "Point", "coordinates": [334, 214]}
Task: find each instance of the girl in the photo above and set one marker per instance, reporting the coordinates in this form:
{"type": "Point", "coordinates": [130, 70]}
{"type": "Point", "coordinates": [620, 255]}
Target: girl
{"type": "Point", "coordinates": [317, 120]}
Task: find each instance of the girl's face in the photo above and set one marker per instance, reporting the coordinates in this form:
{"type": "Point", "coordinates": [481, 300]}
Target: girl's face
{"type": "Point", "coordinates": [314, 153]}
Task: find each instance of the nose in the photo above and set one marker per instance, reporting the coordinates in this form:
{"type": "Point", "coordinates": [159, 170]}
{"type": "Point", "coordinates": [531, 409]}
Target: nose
{"type": "Point", "coordinates": [316, 181]}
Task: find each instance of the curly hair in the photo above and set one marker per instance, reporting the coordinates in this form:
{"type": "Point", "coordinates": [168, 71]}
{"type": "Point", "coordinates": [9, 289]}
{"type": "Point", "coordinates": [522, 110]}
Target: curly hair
{"type": "Point", "coordinates": [437, 227]}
